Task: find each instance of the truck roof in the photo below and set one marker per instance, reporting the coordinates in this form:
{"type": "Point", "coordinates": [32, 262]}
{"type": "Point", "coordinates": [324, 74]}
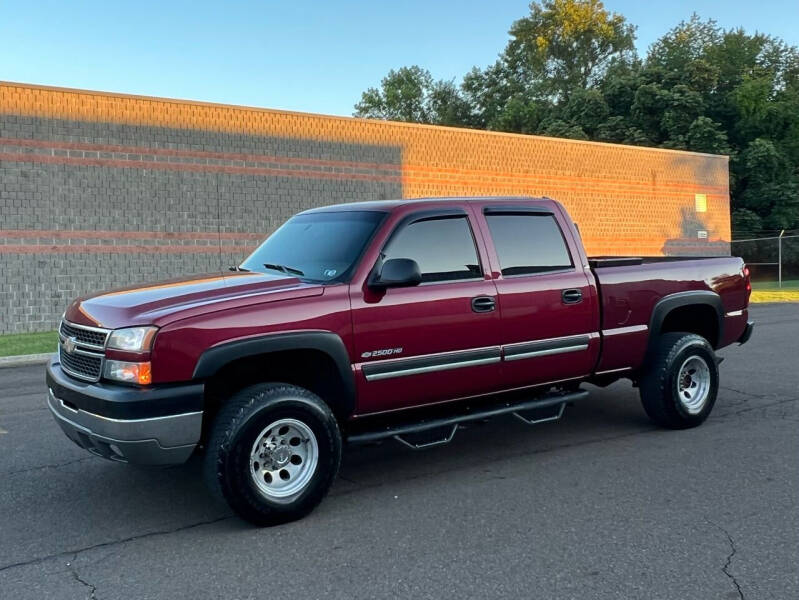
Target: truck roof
{"type": "Point", "coordinates": [390, 205]}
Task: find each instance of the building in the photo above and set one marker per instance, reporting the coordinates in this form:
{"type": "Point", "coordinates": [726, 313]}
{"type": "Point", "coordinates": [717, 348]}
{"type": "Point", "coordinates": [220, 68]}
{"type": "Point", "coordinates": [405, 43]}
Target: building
{"type": "Point", "coordinates": [100, 190]}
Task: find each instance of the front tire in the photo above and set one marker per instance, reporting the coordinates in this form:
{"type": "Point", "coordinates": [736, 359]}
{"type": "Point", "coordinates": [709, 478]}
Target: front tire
{"type": "Point", "coordinates": [680, 383]}
{"type": "Point", "coordinates": [273, 453]}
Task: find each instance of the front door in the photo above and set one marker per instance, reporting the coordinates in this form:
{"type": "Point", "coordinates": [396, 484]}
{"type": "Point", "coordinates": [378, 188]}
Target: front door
{"type": "Point", "coordinates": [435, 341]}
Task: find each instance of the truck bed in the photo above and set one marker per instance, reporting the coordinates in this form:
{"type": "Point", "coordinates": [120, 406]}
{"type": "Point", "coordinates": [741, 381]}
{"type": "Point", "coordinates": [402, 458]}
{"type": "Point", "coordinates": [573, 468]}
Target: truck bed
{"type": "Point", "coordinates": [630, 288]}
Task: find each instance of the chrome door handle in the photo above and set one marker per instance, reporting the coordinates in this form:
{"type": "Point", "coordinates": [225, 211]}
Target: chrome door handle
{"type": "Point", "coordinates": [573, 296]}
{"type": "Point", "coordinates": [481, 304]}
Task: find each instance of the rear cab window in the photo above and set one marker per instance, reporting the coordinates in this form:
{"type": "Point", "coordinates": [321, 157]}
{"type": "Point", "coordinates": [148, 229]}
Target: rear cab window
{"type": "Point", "coordinates": [528, 242]}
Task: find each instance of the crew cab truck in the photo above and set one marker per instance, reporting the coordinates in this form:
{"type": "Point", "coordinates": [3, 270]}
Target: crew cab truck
{"type": "Point", "coordinates": [377, 320]}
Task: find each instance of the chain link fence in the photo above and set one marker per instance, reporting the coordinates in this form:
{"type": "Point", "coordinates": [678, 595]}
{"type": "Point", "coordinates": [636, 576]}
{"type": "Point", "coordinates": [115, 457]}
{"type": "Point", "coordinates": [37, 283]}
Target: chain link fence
{"type": "Point", "coordinates": [771, 260]}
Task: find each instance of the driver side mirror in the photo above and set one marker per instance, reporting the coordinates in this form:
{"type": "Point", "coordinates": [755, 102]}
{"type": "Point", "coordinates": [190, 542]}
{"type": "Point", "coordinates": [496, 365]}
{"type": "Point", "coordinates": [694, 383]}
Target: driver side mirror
{"type": "Point", "coordinates": [397, 272]}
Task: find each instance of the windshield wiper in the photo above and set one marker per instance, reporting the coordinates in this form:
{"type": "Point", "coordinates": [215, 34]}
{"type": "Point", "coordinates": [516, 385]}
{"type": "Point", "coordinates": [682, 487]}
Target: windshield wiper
{"type": "Point", "coordinates": [284, 269]}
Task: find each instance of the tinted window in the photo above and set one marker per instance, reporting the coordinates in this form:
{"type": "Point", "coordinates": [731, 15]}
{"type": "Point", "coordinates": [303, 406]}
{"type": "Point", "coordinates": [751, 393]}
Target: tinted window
{"type": "Point", "coordinates": [319, 246]}
{"type": "Point", "coordinates": [528, 243]}
{"type": "Point", "coordinates": [444, 249]}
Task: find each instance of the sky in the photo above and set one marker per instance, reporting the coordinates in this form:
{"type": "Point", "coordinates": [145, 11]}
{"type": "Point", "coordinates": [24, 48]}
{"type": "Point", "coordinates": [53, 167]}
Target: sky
{"type": "Point", "coordinates": [294, 54]}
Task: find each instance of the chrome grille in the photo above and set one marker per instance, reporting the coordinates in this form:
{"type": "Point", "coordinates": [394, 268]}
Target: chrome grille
{"type": "Point", "coordinates": [82, 350]}
{"type": "Point", "coordinates": [84, 335]}
{"type": "Point", "coordinates": [82, 366]}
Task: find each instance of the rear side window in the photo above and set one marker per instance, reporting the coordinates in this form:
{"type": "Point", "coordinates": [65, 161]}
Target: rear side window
{"type": "Point", "coordinates": [444, 249]}
{"type": "Point", "coordinates": [529, 243]}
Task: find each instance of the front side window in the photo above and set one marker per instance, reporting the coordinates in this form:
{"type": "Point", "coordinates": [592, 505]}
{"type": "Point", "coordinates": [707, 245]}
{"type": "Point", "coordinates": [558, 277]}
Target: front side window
{"type": "Point", "coordinates": [322, 246]}
{"type": "Point", "coordinates": [528, 243]}
{"type": "Point", "coordinates": [443, 247]}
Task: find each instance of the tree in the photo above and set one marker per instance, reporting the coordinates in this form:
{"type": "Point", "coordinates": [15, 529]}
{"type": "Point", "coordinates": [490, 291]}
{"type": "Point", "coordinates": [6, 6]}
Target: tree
{"type": "Point", "coordinates": [490, 90]}
{"type": "Point", "coordinates": [768, 185]}
{"type": "Point", "coordinates": [683, 45]}
{"type": "Point", "coordinates": [411, 94]}
{"type": "Point", "coordinates": [570, 70]}
{"type": "Point", "coordinates": [705, 135]}
{"type": "Point", "coordinates": [447, 106]}
{"type": "Point", "coordinates": [403, 96]}
{"type": "Point", "coordinates": [564, 46]}
{"type": "Point", "coordinates": [588, 109]}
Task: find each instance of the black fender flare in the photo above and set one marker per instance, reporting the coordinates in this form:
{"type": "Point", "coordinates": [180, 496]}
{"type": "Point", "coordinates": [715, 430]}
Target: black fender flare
{"type": "Point", "coordinates": [213, 359]}
{"type": "Point", "coordinates": [679, 299]}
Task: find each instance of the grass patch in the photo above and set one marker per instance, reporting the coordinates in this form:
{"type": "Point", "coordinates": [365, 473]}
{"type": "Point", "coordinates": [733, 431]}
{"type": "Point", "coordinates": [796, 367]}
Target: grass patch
{"type": "Point", "coordinates": [773, 286]}
{"type": "Point", "coordinates": [28, 343]}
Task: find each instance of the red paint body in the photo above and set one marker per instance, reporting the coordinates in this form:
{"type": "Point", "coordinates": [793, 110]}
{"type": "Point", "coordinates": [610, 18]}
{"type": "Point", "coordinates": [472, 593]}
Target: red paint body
{"type": "Point", "coordinates": [201, 312]}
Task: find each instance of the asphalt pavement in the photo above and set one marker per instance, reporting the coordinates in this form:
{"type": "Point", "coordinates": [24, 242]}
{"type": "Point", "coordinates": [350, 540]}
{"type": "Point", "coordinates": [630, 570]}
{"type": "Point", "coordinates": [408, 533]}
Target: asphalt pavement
{"type": "Point", "coordinates": [602, 504]}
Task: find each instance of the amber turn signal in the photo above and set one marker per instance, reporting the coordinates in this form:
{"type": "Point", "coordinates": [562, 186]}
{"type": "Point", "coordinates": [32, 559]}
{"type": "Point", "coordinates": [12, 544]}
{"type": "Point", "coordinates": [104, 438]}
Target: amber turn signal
{"type": "Point", "coordinates": [129, 372]}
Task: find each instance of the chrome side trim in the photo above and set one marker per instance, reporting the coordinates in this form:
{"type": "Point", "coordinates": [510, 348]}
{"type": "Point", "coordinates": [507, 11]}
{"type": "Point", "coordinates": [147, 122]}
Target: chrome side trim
{"type": "Point", "coordinates": [610, 371]}
{"type": "Point", "coordinates": [546, 347]}
{"type": "Point", "coordinates": [429, 363]}
{"type": "Point", "coordinates": [625, 330]}
{"type": "Point", "coordinates": [432, 368]}
{"type": "Point", "coordinates": [444, 361]}
{"type": "Point", "coordinates": [550, 352]}
{"type": "Point", "coordinates": [735, 313]}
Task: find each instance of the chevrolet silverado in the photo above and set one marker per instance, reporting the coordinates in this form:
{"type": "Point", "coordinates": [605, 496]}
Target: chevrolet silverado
{"type": "Point", "coordinates": [384, 320]}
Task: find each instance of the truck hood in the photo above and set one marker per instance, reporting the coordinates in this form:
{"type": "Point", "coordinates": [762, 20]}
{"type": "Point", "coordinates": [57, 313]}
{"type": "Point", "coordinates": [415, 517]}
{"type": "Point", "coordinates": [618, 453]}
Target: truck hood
{"type": "Point", "coordinates": [167, 301]}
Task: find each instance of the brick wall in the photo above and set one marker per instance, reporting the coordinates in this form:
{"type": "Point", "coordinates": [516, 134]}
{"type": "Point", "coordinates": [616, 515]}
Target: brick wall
{"type": "Point", "coordinates": [100, 190]}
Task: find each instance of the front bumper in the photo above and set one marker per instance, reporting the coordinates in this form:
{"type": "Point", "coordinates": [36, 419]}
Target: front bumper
{"type": "Point", "coordinates": [159, 425]}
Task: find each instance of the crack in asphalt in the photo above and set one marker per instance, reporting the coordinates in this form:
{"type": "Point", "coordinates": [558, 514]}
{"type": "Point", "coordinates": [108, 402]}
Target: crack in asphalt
{"type": "Point", "coordinates": [92, 588]}
{"type": "Point", "coordinates": [743, 393]}
{"type": "Point", "coordinates": [27, 411]}
{"type": "Point", "coordinates": [49, 466]}
{"type": "Point", "coordinates": [132, 538]}
{"type": "Point", "coordinates": [726, 568]}
{"type": "Point", "coordinates": [759, 407]}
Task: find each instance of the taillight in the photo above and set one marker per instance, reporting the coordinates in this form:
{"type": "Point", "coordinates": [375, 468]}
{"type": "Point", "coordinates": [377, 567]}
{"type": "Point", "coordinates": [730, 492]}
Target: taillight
{"type": "Point", "coordinates": [748, 282]}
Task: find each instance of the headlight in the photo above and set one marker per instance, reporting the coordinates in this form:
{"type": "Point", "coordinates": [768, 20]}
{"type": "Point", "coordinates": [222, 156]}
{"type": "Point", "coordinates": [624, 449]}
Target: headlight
{"type": "Point", "coordinates": [133, 339]}
{"type": "Point", "coordinates": [129, 372]}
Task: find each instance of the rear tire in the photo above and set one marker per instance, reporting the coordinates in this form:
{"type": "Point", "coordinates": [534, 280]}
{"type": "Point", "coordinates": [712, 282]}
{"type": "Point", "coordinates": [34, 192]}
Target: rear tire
{"type": "Point", "coordinates": [273, 453]}
{"type": "Point", "coordinates": [680, 383]}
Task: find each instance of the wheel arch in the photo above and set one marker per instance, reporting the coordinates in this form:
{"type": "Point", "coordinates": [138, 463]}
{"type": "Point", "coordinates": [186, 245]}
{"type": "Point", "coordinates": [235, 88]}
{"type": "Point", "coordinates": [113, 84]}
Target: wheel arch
{"type": "Point", "coordinates": [697, 311]}
{"type": "Point", "coordinates": [278, 356]}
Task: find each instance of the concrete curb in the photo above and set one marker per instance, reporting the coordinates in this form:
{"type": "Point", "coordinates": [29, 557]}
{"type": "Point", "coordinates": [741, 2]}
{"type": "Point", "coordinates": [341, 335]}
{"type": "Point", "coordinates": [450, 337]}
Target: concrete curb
{"type": "Point", "coordinates": [24, 360]}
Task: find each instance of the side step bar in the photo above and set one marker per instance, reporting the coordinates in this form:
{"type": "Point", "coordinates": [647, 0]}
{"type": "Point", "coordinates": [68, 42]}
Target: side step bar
{"type": "Point", "coordinates": [435, 432]}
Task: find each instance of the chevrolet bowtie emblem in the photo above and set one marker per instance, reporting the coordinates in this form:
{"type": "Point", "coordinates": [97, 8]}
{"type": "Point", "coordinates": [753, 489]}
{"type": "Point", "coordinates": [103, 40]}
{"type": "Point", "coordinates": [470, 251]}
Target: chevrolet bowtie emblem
{"type": "Point", "coordinates": [69, 345]}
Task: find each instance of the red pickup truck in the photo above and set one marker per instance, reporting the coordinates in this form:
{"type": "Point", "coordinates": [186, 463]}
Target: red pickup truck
{"type": "Point", "coordinates": [376, 320]}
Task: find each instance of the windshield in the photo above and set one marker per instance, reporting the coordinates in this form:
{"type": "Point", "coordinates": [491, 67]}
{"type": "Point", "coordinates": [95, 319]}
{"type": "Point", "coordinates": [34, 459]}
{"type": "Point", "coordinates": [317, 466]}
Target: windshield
{"type": "Point", "coordinates": [321, 246]}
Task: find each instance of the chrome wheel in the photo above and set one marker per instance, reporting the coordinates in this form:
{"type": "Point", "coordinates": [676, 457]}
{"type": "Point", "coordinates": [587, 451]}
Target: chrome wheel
{"type": "Point", "coordinates": [694, 384]}
{"type": "Point", "coordinates": [284, 458]}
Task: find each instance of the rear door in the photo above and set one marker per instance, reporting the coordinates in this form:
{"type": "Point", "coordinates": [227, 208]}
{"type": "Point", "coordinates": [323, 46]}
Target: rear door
{"type": "Point", "coordinates": [548, 301]}
{"type": "Point", "coordinates": [435, 341]}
